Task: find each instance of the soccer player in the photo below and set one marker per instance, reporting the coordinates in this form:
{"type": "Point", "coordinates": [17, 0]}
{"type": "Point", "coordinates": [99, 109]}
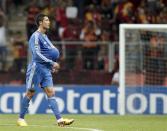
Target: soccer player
{"type": "Point", "coordinates": [44, 56]}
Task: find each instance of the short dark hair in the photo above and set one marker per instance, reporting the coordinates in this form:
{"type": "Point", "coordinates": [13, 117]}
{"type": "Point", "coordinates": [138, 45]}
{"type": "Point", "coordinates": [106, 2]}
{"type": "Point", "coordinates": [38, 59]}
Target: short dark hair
{"type": "Point", "coordinates": [39, 18]}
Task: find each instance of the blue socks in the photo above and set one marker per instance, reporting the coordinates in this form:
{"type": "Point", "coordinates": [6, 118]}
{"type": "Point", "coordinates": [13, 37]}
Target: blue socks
{"type": "Point", "coordinates": [53, 105]}
{"type": "Point", "coordinates": [24, 106]}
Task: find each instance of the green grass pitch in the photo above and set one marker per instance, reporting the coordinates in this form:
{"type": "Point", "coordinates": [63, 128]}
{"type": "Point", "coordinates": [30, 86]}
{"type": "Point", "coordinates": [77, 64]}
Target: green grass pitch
{"type": "Point", "coordinates": [87, 123]}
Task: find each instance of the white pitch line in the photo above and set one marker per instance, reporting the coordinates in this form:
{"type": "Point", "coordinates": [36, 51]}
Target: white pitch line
{"type": "Point", "coordinates": [77, 128]}
{"type": "Point", "coordinates": [88, 129]}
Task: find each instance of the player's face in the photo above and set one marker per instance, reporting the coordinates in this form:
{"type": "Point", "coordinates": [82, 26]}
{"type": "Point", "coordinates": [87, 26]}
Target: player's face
{"type": "Point", "coordinates": [46, 23]}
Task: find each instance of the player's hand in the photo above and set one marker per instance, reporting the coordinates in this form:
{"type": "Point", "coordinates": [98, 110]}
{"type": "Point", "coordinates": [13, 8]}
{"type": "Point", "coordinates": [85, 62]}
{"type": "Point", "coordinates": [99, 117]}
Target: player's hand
{"type": "Point", "coordinates": [55, 67]}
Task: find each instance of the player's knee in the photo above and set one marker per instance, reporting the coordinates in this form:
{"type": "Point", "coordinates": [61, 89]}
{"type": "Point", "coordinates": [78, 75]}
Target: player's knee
{"type": "Point", "coordinates": [32, 90]}
{"type": "Point", "coordinates": [50, 92]}
{"type": "Point", "coordinates": [30, 93]}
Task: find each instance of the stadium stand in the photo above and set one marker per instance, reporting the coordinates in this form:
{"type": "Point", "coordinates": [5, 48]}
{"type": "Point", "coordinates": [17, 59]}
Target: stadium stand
{"type": "Point", "coordinates": [85, 22]}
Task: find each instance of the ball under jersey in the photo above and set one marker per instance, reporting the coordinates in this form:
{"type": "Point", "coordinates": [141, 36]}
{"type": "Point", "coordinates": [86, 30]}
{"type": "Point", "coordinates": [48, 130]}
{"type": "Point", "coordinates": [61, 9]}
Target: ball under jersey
{"type": "Point", "coordinates": [42, 49]}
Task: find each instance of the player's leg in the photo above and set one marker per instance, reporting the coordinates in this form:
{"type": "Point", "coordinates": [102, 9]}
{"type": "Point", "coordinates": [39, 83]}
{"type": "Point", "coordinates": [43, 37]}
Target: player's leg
{"type": "Point", "coordinates": [25, 103]}
{"type": "Point", "coordinates": [24, 107]}
{"type": "Point", "coordinates": [31, 82]}
{"type": "Point", "coordinates": [52, 102]}
{"type": "Point", "coordinates": [54, 106]}
{"type": "Point", "coordinates": [47, 85]}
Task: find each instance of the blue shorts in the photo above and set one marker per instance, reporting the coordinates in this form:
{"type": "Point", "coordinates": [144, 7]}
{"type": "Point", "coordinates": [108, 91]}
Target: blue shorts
{"type": "Point", "coordinates": [38, 75]}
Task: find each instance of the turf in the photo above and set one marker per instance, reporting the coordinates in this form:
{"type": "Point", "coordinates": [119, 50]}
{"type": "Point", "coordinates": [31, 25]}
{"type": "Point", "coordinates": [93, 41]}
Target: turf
{"type": "Point", "coordinates": [87, 123]}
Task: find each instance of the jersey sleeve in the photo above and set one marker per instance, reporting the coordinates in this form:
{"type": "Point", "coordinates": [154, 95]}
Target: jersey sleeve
{"type": "Point", "coordinates": [38, 53]}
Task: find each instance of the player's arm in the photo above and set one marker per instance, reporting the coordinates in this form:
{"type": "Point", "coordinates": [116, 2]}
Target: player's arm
{"type": "Point", "coordinates": [38, 53]}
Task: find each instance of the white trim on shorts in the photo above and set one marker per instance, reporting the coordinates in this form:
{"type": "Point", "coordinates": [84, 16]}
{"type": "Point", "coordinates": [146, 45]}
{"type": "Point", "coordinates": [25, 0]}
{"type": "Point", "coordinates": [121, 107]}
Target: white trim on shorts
{"type": "Point", "coordinates": [29, 83]}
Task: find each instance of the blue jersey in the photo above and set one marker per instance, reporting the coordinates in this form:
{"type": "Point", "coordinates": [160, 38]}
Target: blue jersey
{"type": "Point", "coordinates": [42, 49]}
{"type": "Point", "coordinates": [44, 54]}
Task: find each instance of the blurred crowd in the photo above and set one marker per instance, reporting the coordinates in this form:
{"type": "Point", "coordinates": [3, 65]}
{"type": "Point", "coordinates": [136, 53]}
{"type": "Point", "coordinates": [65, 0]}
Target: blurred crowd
{"type": "Point", "coordinates": [87, 21]}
